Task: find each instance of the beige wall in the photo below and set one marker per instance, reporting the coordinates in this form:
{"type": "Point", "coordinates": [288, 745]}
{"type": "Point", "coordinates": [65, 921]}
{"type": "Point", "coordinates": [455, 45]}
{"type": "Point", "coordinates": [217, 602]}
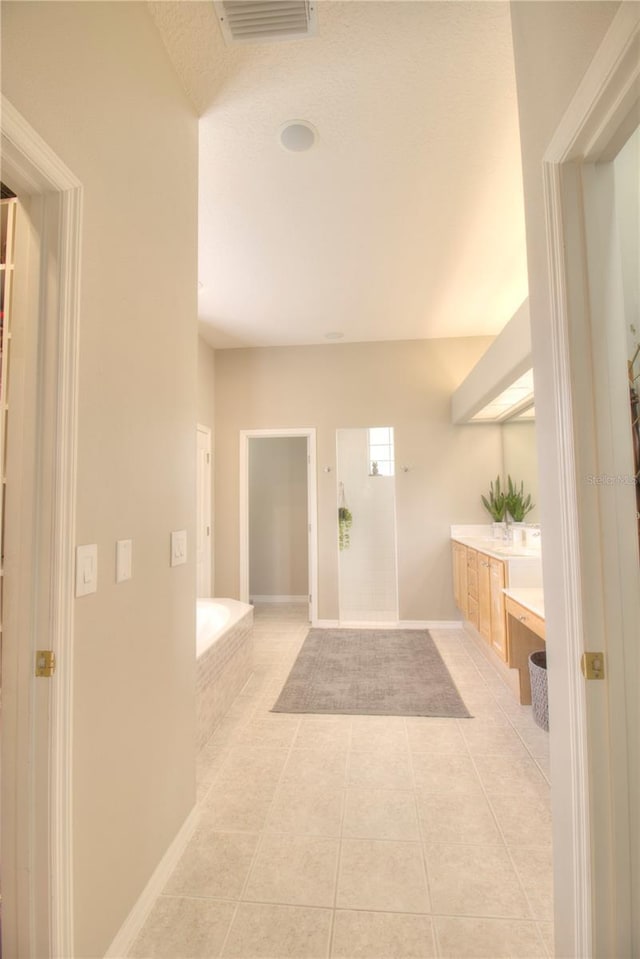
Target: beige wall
{"type": "Point", "coordinates": [278, 540]}
{"type": "Point", "coordinates": [93, 79]}
{"type": "Point", "coordinates": [406, 385]}
{"type": "Point", "coordinates": [553, 46]}
{"type": "Point", "coordinates": [206, 417]}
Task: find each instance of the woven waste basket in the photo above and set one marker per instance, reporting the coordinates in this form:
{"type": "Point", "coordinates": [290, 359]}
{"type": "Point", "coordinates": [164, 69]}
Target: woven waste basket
{"type": "Point", "coordinates": [539, 695]}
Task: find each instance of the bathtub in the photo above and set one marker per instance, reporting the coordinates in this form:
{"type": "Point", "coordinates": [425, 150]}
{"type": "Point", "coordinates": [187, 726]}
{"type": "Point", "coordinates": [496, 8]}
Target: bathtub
{"type": "Point", "coordinates": [224, 631]}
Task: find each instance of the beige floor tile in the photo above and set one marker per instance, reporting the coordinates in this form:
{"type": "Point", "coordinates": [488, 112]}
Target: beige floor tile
{"type": "Point", "coordinates": [544, 764]}
{"type": "Point", "coordinates": [384, 767]}
{"type": "Point", "coordinates": [468, 880]}
{"type": "Point", "coordinates": [535, 738]}
{"type": "Point", "coordinates": [488, 939]}
{"type": "Point", "coordinates": [270, 730]}
{"type": "Point", "coordinates": [297, 870]}
{"type": "Point", "coordinates": [485, 739]}
{"type": "Point", "coordinates": [445, 774]}
{"type": "Point", "coordinates": [523, 820]}
{"type": "Point", "coordinates": [262, 931]}
{"type": "Point", "coordinates": [236, 809]}
{"type": "Point", "coordinates": [252, 766]}
{"type": "Point", "coordinates": [436, 738]}
{"type": "Point", "coordinates": [383, 935]}
{"type": "Point", "coordinates": [307, 810]}
{"type": "Point", "coordinates": [372, 732]}
{"type": "Point", "coordinates": [380, 814]}
{"type": "Point", "coordinates": [511, 776]}
{"type": "Point", "coordinates": [308, 767]}
{"type": "Point", "coordinates": [465, 818]}
{"type": "Point", "coordinates": [385, 876]}
{"type": "Point", "coordinates": [214, 865]}
{"type": "Point", "coordinates": [546, 933]}
{"type": "Point", "coordinates": [534, 865]}
{"type": "Point", "coordinates": [316, 732]}
{"type": "Point", "coordinates": [188, 928]}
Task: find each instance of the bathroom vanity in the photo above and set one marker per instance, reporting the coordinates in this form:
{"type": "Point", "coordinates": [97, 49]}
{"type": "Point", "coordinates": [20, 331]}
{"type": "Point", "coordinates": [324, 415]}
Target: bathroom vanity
{"type": "Point", "coordinates": [498, 590]}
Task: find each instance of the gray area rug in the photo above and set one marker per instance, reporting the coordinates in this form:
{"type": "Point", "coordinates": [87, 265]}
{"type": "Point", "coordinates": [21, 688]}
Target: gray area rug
{"type": "Point", "coordinates": [370, 672]}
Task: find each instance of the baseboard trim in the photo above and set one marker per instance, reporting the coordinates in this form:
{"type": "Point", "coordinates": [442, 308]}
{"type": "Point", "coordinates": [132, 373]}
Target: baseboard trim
{"type": "Point", "coordinates": [401, 624]}
{"type": "Point", "coordinates": [279, 599]}
{"type": "Point", "coordinates": [137, 917]}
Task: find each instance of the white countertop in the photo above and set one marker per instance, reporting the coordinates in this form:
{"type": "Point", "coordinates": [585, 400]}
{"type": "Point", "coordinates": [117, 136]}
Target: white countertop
{"type": "Point", "coordinates": [497, 548]}
{"type": "Point", "coordinates": [529, 597]}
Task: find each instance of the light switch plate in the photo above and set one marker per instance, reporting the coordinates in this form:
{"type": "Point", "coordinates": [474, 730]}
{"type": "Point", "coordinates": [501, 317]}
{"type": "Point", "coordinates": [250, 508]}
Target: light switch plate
{"type": "Point", "coordinates": [179, 547]}
{"type": "Point", "coordinates": [86, 569]}
{"type": "Point", "coordinates": [124, 555]}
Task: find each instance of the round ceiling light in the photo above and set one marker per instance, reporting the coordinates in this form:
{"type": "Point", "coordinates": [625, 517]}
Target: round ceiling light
{"type": "Point", "coordinates": [297, 136]}
{"type": "Point", "coordinates": [334, 335]}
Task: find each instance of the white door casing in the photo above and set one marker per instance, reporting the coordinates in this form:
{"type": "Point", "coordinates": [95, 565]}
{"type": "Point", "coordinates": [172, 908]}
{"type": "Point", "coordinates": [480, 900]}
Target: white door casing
{"type": "Point", "coordinates": [41, 482]}
{"type": "Point", "coordinates": [595, 752]}
{"type": "Point", "coordinates": [203, 511]}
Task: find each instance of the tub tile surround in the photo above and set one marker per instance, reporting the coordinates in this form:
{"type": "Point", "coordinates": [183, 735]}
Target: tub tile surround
{"type": "Point", "coordinates": [222, 671]}
{"type": "Point", "coordinates": [305, 850]}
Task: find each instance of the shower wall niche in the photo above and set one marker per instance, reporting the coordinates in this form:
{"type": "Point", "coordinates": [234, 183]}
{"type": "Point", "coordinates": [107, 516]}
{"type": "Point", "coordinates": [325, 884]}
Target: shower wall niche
{"type": "Point", "coordinates": [368, 578]}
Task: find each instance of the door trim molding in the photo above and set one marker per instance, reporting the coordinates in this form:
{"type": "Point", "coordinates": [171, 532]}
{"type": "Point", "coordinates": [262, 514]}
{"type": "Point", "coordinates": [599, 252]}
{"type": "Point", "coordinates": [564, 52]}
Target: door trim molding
{"type": "Point", "coordinates": [32, 165]}
{"type": "Point", "coordinates": [312, 508]}
{"type": "Point", "coordinates": [602, 113]}
{"type": "Point", "coordinates": [206, 430]}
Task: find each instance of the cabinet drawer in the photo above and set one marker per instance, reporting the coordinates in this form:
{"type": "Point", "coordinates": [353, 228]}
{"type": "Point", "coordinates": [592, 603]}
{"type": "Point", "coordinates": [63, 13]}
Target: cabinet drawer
{"type": "Point", "coordinates": [472, 582]}
{"type": "Point", "coordinates": [526, 617]}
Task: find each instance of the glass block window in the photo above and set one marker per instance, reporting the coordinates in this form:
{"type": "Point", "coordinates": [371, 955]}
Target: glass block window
{"type": "Point", "coordinates": [381, 460]}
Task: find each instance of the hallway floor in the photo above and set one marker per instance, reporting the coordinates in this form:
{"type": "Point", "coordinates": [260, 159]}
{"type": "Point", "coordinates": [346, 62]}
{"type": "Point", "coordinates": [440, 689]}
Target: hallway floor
{"type": "Point", "coordinates": [364, 837]}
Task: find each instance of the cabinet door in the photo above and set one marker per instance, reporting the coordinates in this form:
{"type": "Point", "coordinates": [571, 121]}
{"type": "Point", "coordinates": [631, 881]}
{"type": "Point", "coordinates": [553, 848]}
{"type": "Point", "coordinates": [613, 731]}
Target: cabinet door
{"type": "Point", "coordinates": [460, 576]}
{"type": "Point", "coordinates": [497, 575]}
{"type": "Point", "coordinates": [484, 597]}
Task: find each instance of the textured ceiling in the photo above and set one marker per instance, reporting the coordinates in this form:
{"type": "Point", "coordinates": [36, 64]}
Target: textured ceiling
{"type": "Point", "coordinates": [405, 221]}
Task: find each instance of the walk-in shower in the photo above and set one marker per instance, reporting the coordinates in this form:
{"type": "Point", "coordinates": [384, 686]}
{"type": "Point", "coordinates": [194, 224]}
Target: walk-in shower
{"type": "Point", "coordinates": [366, 517]}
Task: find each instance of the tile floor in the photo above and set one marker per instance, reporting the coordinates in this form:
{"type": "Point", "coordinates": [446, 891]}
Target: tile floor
{"type": "Point", "coordinates": [364, 837]}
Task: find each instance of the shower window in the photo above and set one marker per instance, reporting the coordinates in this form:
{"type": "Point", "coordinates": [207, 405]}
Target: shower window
{"type": "Point", "coordinates": [381, 461]}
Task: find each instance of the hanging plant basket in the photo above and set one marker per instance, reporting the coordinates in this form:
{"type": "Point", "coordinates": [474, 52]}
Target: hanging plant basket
{"type": "Point", "coordinates": [345, 520]}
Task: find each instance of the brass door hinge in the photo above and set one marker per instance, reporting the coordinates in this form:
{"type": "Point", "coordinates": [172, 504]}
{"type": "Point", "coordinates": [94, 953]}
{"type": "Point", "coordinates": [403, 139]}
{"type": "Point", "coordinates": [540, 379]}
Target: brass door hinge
{"type": "Point", "coordinates": [45, 662]}
{"type": "Point", "coordinates": [592, 665]}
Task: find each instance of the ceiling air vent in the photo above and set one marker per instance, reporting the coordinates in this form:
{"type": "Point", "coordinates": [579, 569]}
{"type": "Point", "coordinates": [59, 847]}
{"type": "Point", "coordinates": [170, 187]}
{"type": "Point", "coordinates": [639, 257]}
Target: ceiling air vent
{"type": "Point", "coordinates": [254, 21]}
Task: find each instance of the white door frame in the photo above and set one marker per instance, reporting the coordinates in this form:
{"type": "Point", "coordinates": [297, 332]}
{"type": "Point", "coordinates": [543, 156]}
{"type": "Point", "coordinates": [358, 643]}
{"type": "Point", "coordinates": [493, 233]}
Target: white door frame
{"type": "Point", "coordinates": [312, 509]}
{"type": "Point", "coordinates": [31, 167]}
{"type": "Point", "coordinates": [592, 827]}
{"type": "Point", "coordinates": [205, 430]}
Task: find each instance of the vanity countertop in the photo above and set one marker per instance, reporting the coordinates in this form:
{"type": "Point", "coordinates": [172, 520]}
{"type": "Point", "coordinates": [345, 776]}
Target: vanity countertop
{"type": "Point", "coordinates": [531, 598]}
{"type": "Point", "coordinates": [497, 548]}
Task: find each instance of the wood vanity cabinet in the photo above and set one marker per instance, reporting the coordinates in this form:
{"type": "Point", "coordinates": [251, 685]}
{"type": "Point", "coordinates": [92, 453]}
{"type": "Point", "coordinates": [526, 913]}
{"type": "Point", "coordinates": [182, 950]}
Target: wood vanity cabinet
{"type": "Point", "coordinates": [478, 581]}
{"type": "Point", "coordinates": [460, 576]}
{"type": "Point", "coordinates": [498, 581]}
{"type": "Point", "coordinates": [484, 597]}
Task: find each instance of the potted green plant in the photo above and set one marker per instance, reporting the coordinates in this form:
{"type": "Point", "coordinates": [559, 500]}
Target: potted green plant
{"type": "Point", "coordinates": [345, 519]}
{"type": "Point", "coordinates": [517, 504]}
{"type": "Point", "coordinates": [496, 506]}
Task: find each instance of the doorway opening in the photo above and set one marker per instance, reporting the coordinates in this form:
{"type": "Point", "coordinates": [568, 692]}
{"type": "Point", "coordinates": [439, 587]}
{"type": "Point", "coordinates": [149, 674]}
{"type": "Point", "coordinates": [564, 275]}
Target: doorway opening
{"type": "Point", "coordinates": [278, 545]}
{"type": "Point", "coordinates": [39, 538]}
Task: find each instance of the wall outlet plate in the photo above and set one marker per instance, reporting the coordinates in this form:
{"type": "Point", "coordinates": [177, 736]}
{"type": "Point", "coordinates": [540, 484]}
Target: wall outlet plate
{"type": "Point", "coordinates": [178, 547]}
